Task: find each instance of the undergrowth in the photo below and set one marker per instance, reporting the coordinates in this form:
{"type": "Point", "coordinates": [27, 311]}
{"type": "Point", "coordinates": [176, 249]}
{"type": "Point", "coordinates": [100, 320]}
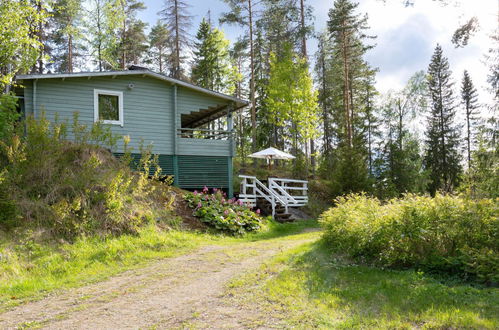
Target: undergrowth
{"type": "Point", "coordinates": [76, 188]}
{"type": "Point", "coordinates": [450, 235]}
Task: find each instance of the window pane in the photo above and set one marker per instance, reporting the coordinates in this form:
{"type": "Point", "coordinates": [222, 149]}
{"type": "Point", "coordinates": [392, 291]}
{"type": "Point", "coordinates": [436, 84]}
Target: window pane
{"type": "Point", "coordinates": [108, 107]}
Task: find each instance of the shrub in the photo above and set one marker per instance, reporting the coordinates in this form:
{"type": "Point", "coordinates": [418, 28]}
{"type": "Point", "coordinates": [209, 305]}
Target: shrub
{"type": "Point", "coordinates": [74, 188]}
{"type": "Point", "coordinates": [448, 234]}
{"type": "Point", "coordinates": [227, 215]}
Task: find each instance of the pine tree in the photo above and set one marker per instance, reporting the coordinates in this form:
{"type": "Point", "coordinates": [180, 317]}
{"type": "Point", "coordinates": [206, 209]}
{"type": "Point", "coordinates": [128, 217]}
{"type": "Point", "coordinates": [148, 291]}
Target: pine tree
{"type": "Point", "coordinates": [159, 45]}
{"type": "Point", "coordinates": [442, 157]}
{"type": "Point", "coordinates": [132, 38]}
{"type": "Point", "coordinates": [469, 99]}
{"type": "Point", "coordinates": [347, 30]}
{"type": "Point", "coordinates": [213, 67]}
{"type": "Point", "coordinates": [42, 8]}
{"type": "Point", "coordinates": [351, 85]}
{"type": "Point", "coordinates": [67, 35]}
{"type": "Point", "coordinates": [175, 15]}
{"type": "Point", "coordinates": [242, 12]}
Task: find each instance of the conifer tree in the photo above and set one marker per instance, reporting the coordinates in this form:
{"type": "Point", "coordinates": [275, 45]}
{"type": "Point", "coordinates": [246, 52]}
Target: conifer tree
{"type": "Point", "coordinates": [67, 35]}
{"type": "Point", "coordinates": [442, 157]}
{"type": "Point", "coordinates": [243, 13]}
{"type": "Point", "coordinates": [469, 99]}
{"type": "Point", "coordinates": [132, 38]}
{"type": "Point", "coordinates": [352, 82]}
{"type": "Point", "coordinates": [177, 18]}
{"type": "Point", "coordinates": [213, 67]}
{"type": "Point", "coordinates": [159, 46]}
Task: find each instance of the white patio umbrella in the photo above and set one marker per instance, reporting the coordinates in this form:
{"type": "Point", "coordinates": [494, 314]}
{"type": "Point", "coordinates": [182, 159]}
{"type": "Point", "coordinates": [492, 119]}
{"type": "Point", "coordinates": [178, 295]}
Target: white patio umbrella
{"type": "Point", "coordinates": [270, 154]}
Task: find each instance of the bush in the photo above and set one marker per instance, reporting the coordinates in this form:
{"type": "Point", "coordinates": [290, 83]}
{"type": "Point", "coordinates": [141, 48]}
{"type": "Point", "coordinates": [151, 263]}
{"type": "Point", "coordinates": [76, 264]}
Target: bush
{"type": "Point", "coordinates": [447, 234]}
{"type": "Point", "coordinates": [73, 188]}
{"type": "Point", "coordinates": [227, 215]}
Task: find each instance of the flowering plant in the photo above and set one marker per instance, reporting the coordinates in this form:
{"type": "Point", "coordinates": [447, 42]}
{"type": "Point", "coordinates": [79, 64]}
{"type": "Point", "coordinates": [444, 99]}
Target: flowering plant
{"type": "Point", "coordinates": [229, 215]}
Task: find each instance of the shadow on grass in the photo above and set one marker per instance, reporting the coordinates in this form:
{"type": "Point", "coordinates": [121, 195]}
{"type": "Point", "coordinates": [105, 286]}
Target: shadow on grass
{"type": "Point", "coordinates": [347, 295]}
{"type": "Point", "coordinates": [276, 229]}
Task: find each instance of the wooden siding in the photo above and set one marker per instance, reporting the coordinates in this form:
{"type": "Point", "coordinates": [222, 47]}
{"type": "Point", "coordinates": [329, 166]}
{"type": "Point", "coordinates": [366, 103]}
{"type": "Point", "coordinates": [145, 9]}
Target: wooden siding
{"type": "Point", "coordinates": [148, 108]}
{"type": "Point", "coordinates": [164, 161]}
{"type": "Point", "coordinates": [203, 147]}
{"type": "Point", "coordinates": [200, 171]}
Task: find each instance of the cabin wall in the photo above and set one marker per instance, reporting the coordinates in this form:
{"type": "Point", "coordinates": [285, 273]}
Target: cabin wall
{"type": "Point", "coordinates": [147, 107]}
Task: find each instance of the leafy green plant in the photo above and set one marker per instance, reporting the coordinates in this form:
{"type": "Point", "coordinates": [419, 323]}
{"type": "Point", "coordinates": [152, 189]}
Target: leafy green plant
{"type": "Point", "coordinates": [227, 215]}
{"type": "Point", "coordinates": [450, 234]}
{"type": "Point", "coordinates": [75, 188]}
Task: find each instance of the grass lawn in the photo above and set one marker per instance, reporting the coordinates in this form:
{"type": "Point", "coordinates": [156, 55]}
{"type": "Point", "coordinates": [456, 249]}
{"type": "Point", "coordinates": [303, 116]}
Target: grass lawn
{"type": "Point", "coordinates": [30, 270]}
{"type": "Point", "coordinates": [306, 288]}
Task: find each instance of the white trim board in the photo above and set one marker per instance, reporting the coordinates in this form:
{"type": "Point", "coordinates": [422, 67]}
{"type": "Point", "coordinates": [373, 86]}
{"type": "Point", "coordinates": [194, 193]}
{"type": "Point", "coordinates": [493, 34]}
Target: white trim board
{"type": "Point", "coordinates": [98, 92]}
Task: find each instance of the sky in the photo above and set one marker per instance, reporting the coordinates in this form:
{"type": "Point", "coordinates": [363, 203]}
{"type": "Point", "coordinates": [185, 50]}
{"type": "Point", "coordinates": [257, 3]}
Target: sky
{"type": "Point", "coordinates": [406, 36]}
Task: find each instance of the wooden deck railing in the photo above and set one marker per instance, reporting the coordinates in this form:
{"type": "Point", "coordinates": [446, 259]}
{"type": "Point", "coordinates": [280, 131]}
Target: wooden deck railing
{"type": "Point", "coordinates": [198, 133]}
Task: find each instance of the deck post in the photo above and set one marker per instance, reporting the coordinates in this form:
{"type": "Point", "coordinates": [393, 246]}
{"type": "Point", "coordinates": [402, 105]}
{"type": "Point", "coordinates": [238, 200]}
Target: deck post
{"type": "Point", "coordinates": [175, 144]}
{"type": "Point", "coordinates": [230, 128]}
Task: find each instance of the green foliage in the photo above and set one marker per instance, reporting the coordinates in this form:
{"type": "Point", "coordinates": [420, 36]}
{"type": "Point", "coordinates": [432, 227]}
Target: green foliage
{"type": "Point", "coordinates": [67, 36]}
{"type": "Point", "coordinates": [20, 46]}
{"type": "Point", "coordinates": [442, 157]}
{"type": "Point", "coordinates": [213, 68]}
{"type": "Point", "coordinates": [159, 42]}
{"type": "Point", "coordinates": [482, 179]}
{"type": "Point", "coordinates": [447, 234]}
{"type": "Point", "coordinates": [8, 115]}
{"type": "Point", "coordinates": [73, 188]}
{"type": "Point", "coordinates": [227, 215]}
{"type": "Point", "coordinates": [291, 99]}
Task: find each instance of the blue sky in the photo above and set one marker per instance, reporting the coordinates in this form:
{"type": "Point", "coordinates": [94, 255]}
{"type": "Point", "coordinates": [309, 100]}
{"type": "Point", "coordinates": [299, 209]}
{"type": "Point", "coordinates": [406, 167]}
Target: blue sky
{"type": "Point", "coordinates": [406, 39]}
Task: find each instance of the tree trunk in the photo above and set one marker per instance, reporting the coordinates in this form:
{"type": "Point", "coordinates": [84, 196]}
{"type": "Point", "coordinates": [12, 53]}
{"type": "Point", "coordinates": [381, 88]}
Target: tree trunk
{"type": "Point", "coordinates": [252, 78]}
{"type": "Point", "coordinates": [176, 73]}
{"type": "Point", "coordinates": [70, 53]}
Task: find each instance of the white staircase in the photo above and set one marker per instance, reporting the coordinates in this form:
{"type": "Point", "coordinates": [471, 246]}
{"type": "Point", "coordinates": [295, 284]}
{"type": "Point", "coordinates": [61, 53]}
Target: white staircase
{"type": "Point", "coordinates": [278, 193]}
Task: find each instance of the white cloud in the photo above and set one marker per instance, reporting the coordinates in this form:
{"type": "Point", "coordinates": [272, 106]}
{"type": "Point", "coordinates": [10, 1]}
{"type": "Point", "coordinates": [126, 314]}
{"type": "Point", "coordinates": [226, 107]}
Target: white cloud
{"type": "Point", "coordinates": [407, 37]}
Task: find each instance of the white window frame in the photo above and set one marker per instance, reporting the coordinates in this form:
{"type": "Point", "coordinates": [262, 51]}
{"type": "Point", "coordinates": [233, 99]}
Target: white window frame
{"type": "Point", "coordinates": [120, 120]}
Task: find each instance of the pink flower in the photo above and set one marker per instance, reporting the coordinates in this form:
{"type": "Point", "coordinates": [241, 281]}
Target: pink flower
{"type": "Point", "coordinates": [195, 192]}
{"type": "Point", "coordinates": [240, 202]}
{"type": "Point", "coordinates": [258, 211]}
{"type": "Point", "coordinates": [199, 205]}
{"type": "Point", "coordinates": [205, 189]}
{"type": "Point", "coordinates": [226, 212]}
{"type": "Point", "coordinates": [215, 190]}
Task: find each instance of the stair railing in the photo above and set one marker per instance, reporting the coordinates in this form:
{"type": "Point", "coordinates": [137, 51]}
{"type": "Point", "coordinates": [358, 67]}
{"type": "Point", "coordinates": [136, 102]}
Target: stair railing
{"type": "Point", "coordinates": [259, 190]}
{"type": "Point", "coordinates": [294, 191]}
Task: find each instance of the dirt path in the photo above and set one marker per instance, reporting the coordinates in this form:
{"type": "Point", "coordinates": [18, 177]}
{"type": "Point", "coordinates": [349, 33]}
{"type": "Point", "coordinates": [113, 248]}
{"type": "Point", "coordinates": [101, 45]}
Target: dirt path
{"type": "Point", "coordinates": [182, 292]}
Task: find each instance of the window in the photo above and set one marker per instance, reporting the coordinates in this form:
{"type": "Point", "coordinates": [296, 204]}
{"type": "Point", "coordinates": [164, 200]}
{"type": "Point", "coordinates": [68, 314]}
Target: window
{"type": "Point", "coordinates": [108, 107]}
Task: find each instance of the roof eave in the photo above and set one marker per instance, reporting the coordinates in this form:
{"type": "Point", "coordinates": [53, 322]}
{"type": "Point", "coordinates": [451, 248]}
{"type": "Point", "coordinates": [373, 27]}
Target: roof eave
{"type": "Point", "coordinates": [239, 103]}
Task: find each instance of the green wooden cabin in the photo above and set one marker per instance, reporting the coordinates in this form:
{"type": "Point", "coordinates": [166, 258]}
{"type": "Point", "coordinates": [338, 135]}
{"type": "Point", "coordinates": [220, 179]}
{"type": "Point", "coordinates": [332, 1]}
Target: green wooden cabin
{"type": "Point", "coordinates": [167, 113]}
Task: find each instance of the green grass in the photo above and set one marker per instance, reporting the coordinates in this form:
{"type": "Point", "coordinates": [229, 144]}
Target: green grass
{"type": "Point", "coordinates": [306, 287]}
{"type": "Point", "coordinates": [30, 269]}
